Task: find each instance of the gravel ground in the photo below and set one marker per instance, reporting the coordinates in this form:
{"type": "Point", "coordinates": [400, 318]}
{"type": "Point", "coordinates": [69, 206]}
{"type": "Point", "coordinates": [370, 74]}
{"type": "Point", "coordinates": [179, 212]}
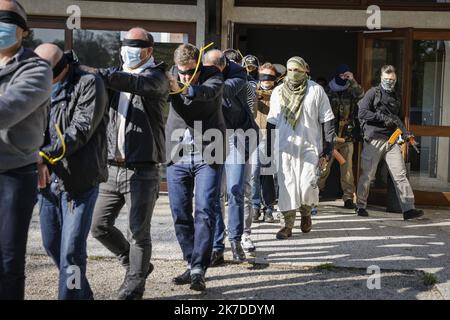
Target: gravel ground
{"type": "Point", "coordinates": [245, 281]}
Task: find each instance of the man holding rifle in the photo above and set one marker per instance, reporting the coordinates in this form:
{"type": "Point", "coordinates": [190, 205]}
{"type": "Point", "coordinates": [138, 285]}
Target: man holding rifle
{"type": "Point", "coordinates": [380, 113]}
{"type": "Point", "coordinates": [344, 93]}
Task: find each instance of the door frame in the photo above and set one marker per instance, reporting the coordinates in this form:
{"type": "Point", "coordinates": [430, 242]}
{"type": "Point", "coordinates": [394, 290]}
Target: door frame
{"type": "Point", "coordinates": [379, 196]}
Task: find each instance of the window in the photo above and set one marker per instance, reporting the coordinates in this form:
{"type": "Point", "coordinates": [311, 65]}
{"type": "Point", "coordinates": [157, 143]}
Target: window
{"type": "Point", "coordinates": [101, 48]}
{"type": "Point", "coordinates": [430, 99]}
{"type": "Point", "coordinates": [429, 170]}
{"type": "Point", "coordinates": [38, 36]}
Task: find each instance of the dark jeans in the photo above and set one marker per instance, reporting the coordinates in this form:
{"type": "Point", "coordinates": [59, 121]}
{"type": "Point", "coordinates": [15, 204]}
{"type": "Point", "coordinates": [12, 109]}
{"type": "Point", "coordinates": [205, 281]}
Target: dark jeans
{"type": "Point", "coordinates": [138, 188]}
{"type": "Point", "coordinates": [18, 193]}
{"type": "Point", "coordinates": [195, 234]}
{"type": "Point", "coordinates": [263, 186]}
{"type": "Point", "coordinates": [65, 225]}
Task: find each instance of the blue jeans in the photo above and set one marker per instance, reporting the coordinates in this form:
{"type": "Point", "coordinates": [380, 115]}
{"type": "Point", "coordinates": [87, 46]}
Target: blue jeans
{"type": "Point", "coordinates": [195, 234]}
{"type": "Point", "coordinates": [235, 180]}
{"type": "Point", "coordinates": [65, 225]}
{"type": "Point", "coordinates": [18, 192]}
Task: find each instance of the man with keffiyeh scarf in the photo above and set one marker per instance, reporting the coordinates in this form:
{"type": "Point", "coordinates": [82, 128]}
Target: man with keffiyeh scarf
{"type": "Point", "coordinates": [299, 108]}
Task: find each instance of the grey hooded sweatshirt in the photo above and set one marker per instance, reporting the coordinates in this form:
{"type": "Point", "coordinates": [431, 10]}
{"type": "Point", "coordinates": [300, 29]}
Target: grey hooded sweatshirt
{"type": "Point", "coordinates": [25, 89]}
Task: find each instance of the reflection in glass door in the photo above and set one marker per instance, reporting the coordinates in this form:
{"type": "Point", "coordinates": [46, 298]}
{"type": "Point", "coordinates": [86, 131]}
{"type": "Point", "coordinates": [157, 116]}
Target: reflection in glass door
{"type": "Point", "coordinates": [430, 106]}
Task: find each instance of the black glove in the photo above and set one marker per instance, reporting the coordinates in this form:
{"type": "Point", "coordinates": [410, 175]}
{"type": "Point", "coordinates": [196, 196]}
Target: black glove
{"type": "Point", "coordinates": [389, 121]}
{"type": "Point", "coordinates": [327, 150]}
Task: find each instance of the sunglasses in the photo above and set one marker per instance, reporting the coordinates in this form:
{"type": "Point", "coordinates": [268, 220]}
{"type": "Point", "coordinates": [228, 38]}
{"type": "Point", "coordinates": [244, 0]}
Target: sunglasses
{"type": "Point", "coordinates": [189, 72]}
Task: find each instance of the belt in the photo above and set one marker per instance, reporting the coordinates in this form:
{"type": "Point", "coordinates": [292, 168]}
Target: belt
{"type": "Point", "coordinates": [135, 165]}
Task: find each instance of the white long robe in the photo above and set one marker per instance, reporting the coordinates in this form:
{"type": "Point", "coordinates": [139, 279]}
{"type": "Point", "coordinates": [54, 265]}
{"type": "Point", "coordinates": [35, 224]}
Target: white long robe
{"type": "Point", "coordinates": [296, 152]}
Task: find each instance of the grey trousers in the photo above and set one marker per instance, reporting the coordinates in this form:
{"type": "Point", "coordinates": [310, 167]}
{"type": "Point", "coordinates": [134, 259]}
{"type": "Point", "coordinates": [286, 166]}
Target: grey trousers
{"type": "Point", "coordinates": [138, 189]}
{"type": "Point", "coordinates": [373, 151]}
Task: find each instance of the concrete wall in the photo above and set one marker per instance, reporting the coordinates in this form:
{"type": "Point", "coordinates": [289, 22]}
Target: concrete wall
{"type": "Point", "coordinates": [329, 17]}
{"type": "Point", "coordinates": [123, 10]}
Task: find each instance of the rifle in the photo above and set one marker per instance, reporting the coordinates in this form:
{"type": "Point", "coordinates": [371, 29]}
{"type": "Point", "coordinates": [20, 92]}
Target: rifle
{"type": "Point", "coordinates": [400, 132]}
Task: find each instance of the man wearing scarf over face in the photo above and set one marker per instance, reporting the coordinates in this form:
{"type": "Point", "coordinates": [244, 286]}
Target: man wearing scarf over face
{"type": "Point", "coordinates": [298, 109]}
{"type": "Point", "coordinates": [378, 113]}
{"type": "Point", "coordinates": [344, 93]}
{"type": "Point", "coordinates": [25, 88]}
{"type": "Point", "coordinates": [136, 142]}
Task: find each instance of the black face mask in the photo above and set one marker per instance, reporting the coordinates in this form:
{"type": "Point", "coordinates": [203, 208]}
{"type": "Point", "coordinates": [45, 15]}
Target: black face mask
{"type": "Point", "coordinates": [267, 77]}
{"type": "Point", "coordinates": [339, 81]}
{"type": "Point", "coordinates": [13, 18]}
{"type": "Point", "coordinates": [60, 66]}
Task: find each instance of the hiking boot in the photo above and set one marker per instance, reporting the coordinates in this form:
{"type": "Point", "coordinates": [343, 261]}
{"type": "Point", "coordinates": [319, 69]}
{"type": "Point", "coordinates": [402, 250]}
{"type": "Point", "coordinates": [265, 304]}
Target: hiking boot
{"type": "Point", "coordinates": [238, 252]}
{"type": "Point", "coordinates": [184, 278]}
{"type": "Point", "coordinates": [216, 259]}
{"type": "Point", "coordinates": [412, 214]}
{"type": "Point", "coordinates": [349, 204]}
{"type": "Point", "coordinates": [256, 214]}
{"type": "Point", "coordinates": [362, 212]}
{"type": "Point", "coordinates": [133, 289]}
{"type": "Point", "coordinates": [247, 243]}
{"type": "Point", "coordinates": [198, 282]}
{"type": "Point", "coordinates": [306, 224]}
{"type": "Point", "coordinates": [284, 233]}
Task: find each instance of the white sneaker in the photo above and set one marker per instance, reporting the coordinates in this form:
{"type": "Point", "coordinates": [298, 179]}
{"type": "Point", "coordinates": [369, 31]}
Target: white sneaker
{"type": "Point", "coordinates": [247, 243]}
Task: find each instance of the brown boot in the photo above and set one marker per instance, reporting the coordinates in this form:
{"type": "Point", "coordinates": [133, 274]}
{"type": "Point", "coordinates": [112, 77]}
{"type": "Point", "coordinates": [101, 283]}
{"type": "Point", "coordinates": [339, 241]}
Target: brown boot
{"type": "Point", "coordinates": [284, 233]}
{"type": "Point", "coordinates": [306, 224]}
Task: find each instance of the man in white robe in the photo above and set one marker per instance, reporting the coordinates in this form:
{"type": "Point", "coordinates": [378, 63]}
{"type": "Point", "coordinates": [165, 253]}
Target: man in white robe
{"type": "Point", "coordinates": [299, 108]}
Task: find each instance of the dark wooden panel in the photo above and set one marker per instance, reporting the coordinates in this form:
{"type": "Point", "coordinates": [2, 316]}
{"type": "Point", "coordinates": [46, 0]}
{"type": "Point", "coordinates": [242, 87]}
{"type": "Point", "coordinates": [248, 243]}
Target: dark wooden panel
{"type": "Point", "coordinates": [430, 131]}
{"type": "Point", "coordinates": [346, 4]}
{"type": "Point", "coordinates": [186, 2]}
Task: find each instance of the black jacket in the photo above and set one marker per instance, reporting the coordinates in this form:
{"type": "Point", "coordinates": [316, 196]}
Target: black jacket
{"type": "Point", "coordinates": [204, 104]}
{"type": "Point", "coordinates": [79, 110]}
{"type": "Point", "coordinates": [235, 106]}
{"type": "Point", "coordinates": [144, 133]}
{"type": "Point", "coordinates": [370, 113]}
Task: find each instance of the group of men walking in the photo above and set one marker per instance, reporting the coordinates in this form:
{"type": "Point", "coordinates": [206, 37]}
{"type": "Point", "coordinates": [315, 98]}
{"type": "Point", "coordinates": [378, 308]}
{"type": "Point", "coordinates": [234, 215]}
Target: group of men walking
{"type": "Point", "coordinates": [85, 142]}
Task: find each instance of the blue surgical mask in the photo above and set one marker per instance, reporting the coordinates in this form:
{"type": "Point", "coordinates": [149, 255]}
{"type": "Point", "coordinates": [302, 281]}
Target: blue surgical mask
{"type": "Point", "coordinates": [8, 35]}
{"type": "Point", "coordinates": [131, 56]}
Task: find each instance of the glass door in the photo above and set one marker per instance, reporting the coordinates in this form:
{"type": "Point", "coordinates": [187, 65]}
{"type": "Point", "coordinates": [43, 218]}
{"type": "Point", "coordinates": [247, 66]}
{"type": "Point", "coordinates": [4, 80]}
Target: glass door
{"type": "Point", "coordinates": [378, 49]}
{"type": "Point", "coordinates": [422, 60]}
{"type": "Point", "coordinates": [430, 111]}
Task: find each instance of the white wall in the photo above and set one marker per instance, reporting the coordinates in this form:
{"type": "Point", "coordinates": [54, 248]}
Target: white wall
{"type": "Point", "coordinates": [329, 17]}
{"type": "Point", "coordinates": [123, 10]}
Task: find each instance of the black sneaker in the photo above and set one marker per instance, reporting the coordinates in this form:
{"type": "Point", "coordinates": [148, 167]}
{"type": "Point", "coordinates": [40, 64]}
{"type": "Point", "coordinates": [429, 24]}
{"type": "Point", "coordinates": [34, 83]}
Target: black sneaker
{"type": "Point", "coordinates": [198, 282]}
{"type": "Point", "coordinates": [256, 214]}
{"type": "Point", "coordinates": [125, 281]}
{"type": "Point", "coordinates": [184, 278]}
{"type": "Point", "coordinates": [268, 217]}
{"type": "Point", "coordinates": [362, 212]}
{"type": "Point", "coordinates": [136, 295]}
{"type": "Point", "coordinates": [134, 290]}
{"type": "Point", "coordinates": [412, 214]}
{"type": "Point", "coordinates": [238, 251]}
{"type": "Point", "coordinates": [348, 204]}
{"type": "Point", "coordinates": [217, 259]}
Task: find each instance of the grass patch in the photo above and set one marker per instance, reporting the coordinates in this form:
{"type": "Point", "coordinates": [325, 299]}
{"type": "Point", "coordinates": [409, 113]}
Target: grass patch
{"type": "Point", "coordinates": [429, 279]}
